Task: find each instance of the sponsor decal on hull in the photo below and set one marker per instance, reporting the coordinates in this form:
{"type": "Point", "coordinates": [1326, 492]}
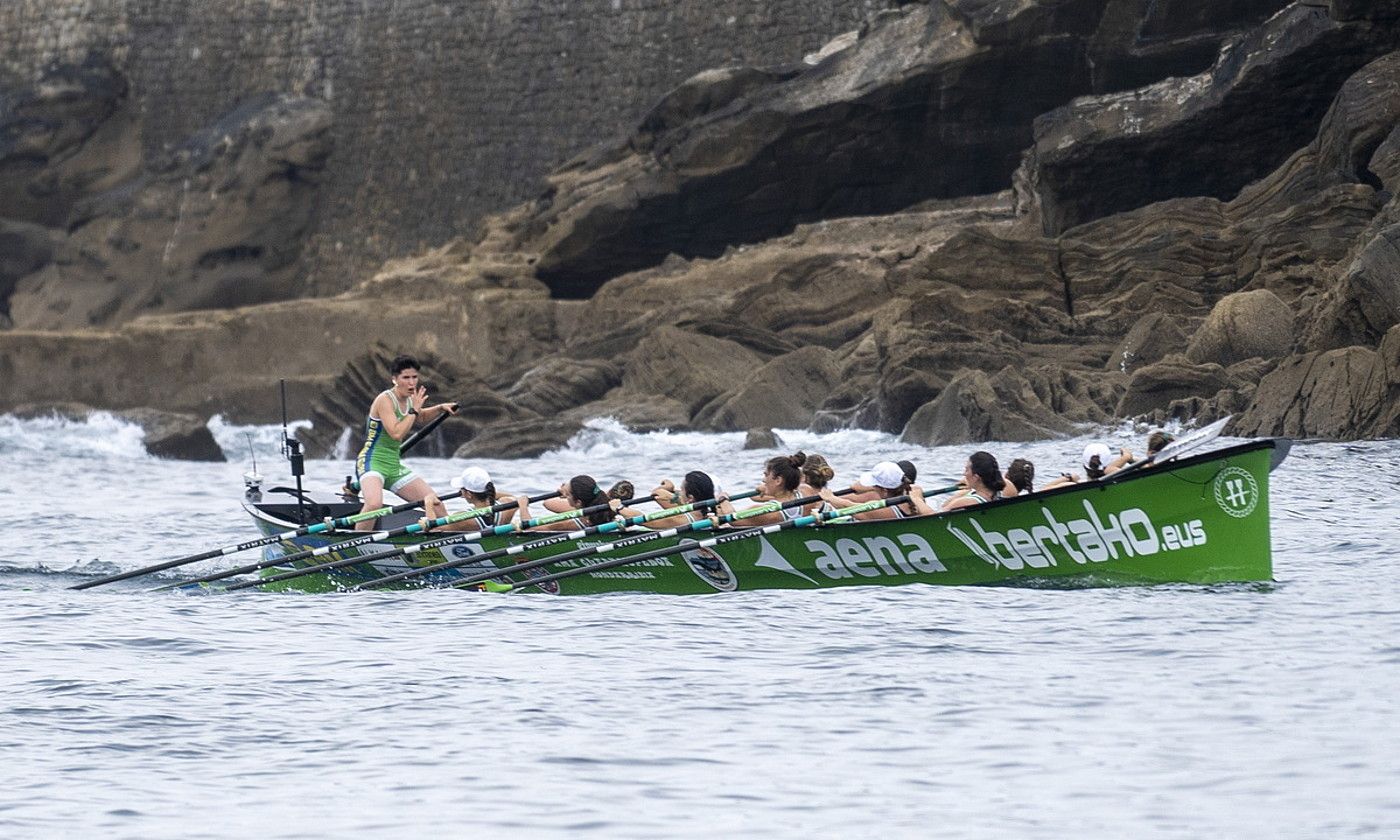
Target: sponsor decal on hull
{"type": "Point", "coordinates": [1236, 492]}
{"type": "Point", "coordinates": [710, 567]}
{"type": "Point", "coordinates": [1095, 539]}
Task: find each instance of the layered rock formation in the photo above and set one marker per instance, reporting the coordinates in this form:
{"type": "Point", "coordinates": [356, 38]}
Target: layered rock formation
{"type": "Point", "coordinates": [98, 234]}
{"type": "Point", "coordinates": [729, 286]}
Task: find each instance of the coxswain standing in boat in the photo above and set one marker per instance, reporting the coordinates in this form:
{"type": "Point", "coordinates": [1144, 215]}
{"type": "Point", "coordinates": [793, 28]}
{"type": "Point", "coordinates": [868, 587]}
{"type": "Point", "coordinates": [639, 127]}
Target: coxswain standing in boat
{"type": "Point", "coordinates": [888, 479]}
{"type": "Point", "coordinates": [983, 480]}
{"type": "Point", "coordinates": [391, 417]}
{"type": "Point", "coordinates": [479, 492]}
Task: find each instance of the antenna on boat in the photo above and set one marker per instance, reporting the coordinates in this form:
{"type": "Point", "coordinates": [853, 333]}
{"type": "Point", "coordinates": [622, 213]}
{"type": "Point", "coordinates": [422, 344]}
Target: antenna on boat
{"type": "Point", "coordinates": [252, 482]}
{"type": "Point", "coordinates": [291, 450]}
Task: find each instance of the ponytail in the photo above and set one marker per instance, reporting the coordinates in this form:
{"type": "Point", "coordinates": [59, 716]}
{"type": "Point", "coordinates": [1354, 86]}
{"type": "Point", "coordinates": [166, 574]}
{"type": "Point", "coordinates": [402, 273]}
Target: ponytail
{"type": "Point", "coordinates": [984, 466]}
{"type": "Point", "coordinates": [788, 469]}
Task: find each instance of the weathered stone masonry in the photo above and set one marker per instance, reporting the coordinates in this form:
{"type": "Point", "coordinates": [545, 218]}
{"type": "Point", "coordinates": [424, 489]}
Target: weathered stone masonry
{"type": "Point", "coordinates": [444, 109]}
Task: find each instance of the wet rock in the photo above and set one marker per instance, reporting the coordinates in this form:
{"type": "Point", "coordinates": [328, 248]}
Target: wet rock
{"type": "Point", "coordinates": [1205, 135]}
{"type": "Point", "coordinates": [688, 366]}
{"type": "Point", "coordinates": [217, 223]}
{"type": "Point", "coordinates": [1009, 405]}
{"type": "Point", "coordinates": [1327, 394]}
{"type": "Point", "coordinates": [557, 384]}
{"type": "Point", "coordinates": [782, 393]}
{"type": "Point", "coordinates": [762, 439]}
{"type": "Point", "coordinates": [1365, 301]}
{"type": "Point", "coordinates": [1153, 337]}
{"type": "Point", "coordinates": [524, 439]}
{"type": "Point", "coordinates": [1242, 326]}
{"type": "Point", "coordinates": [179, 437]}
{"type": "Point", "coordinates": [1173, 378]}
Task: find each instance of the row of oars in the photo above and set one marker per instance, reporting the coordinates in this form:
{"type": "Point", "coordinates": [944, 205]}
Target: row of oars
{"type": "Point", "coordinates": [523, 565]}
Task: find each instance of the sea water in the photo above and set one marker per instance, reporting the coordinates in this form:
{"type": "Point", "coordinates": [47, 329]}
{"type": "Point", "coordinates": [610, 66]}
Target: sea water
{"type": "Point", "coordinates": [1168, 711]}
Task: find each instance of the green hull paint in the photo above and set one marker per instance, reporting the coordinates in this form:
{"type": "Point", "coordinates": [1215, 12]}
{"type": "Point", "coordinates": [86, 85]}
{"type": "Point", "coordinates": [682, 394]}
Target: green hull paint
{"type": "Point", "coordinates": [1200, 520]}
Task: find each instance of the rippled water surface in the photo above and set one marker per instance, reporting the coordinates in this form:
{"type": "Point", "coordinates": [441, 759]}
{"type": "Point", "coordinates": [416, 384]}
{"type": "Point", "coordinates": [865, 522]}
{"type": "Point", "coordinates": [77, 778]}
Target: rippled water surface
{"type": "Point", "coordinates": [1173, 711]}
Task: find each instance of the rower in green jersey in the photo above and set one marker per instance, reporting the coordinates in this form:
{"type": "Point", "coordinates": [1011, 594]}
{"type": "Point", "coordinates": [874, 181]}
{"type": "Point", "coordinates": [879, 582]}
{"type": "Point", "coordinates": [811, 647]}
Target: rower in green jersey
{"type": "Point", "coordinates": [391, 418]}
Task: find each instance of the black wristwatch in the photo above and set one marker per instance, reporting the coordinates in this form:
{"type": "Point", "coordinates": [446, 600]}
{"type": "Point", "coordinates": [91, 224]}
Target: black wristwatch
{"type": "Point", "coordinates": [413, 411]}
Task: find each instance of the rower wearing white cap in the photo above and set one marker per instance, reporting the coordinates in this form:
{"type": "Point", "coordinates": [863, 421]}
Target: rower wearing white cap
{"type": "Point", "coordinates": [888, 479]}
{"type": "Point", "coordinates": [478, 491]}
{"type": "Point", "coordinates": [697, 486]}
{"type": "Point", "coordinates": [1098, 462]}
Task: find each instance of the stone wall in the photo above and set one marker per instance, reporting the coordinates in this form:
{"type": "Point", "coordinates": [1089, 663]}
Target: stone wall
{"type": "Point", "coordinates": [443, 109]}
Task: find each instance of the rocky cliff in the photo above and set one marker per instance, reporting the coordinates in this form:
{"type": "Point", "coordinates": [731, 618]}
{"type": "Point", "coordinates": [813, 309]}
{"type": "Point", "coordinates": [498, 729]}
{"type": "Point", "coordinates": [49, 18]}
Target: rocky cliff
{"type": "Point", "coordinates": [436, 111]}
{"type": "Point", "coordinates": [966, 221]}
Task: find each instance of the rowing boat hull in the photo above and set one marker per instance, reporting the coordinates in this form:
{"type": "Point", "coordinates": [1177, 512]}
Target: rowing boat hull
{"type": "Point", "coordinates": [1200, 520]}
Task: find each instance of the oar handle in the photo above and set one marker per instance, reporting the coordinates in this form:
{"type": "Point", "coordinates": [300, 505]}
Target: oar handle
{"type": "Point", "coordinates": [413, 439]}
{"type": "Point", "coordinates": [767, 507]}
{"type": "Point", "coordinates": [799, 522]}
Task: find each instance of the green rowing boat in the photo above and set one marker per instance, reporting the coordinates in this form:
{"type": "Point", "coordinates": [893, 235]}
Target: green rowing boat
{"type": "Point", "coordinates": [1200, 520]}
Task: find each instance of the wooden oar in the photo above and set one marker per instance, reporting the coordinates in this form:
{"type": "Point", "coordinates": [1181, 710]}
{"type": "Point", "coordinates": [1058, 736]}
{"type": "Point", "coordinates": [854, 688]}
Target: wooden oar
{"type": "Point", "coordinates": [363, 539]}
{"type": "Point", "coordinates": [464, 537]}
{"type": "Point", "coordinates": [1176, 448]}
{"type": "Point", "coordinates": [317, 528]}
{"type": "Point", "coordinates": [606, 527]}
{"type": "Point", "coordinates": [412, 440]}
{"type": "Point", "coordinates": [799, 522]}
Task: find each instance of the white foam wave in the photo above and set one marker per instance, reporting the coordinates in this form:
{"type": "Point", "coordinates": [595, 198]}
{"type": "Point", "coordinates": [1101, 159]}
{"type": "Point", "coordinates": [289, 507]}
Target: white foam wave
{"type": "Point", "coordinates": [100, 434]}
{"type": "Point", "coordinates": [238, 441]}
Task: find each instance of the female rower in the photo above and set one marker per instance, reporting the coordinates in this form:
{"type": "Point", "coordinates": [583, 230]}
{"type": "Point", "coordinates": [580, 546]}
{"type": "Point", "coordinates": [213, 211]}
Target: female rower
{"type": "Point", "coordinates": [861, 492]}
{"type": "Point", "coordinates": [697, 486]}
{"type": "Point", "coordinates": [984, 481]}
{"type": "Point", "coordinates": [1157, 441]}
{"type": "Point", "coordinates": [391, 418]}
{"type": "Point", "coordinates": [1098, 462]}
{"type": "Point", "coordinates": [581, 492]}
{"type": "Point", "coordinates": [889, 479]}
{"type": "Point", "coordinates": [478, 491]}
{"type": "Point", "coordinates": [1020, 478]}
{"type": "Point", "coordinates": [781, 478]}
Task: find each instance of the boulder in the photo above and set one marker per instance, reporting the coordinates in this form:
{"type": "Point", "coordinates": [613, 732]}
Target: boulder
{"type": "Point", "coordinates": [688, 366]}
{"type": "Point", "coordinates": [1365, 300]}
{"type": "Point", "coordinates": [524, 439]}
{"type": "Point", "coordinates": [762, 439]}
{"type": "Point", "coordinates": [557, 384]}
{"type": "Point", "coordinates": [782, 393]}
{"type": "Point", "coordinates": [1154, 336]}
{"type": "Point", "coordinates": [1173, 378]}
{"type": "Point", "coordinates": [1241, 326]}
{"type": "Point", "coordinates": [977, 406]}
{"type": "Point", "coordinates": [1329, 394]}
{"type": "Point", "coordinates": [179, 437]}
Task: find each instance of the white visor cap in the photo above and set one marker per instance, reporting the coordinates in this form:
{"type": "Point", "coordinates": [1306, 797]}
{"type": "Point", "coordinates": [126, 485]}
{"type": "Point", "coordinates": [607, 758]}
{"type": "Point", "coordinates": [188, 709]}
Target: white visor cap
{"type": "Point", "coordinates": [1100, 449]}
{"type": "Point", "coordinates": [473, 480]}
{"type": "Point", "coordinates": [886, 474]}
